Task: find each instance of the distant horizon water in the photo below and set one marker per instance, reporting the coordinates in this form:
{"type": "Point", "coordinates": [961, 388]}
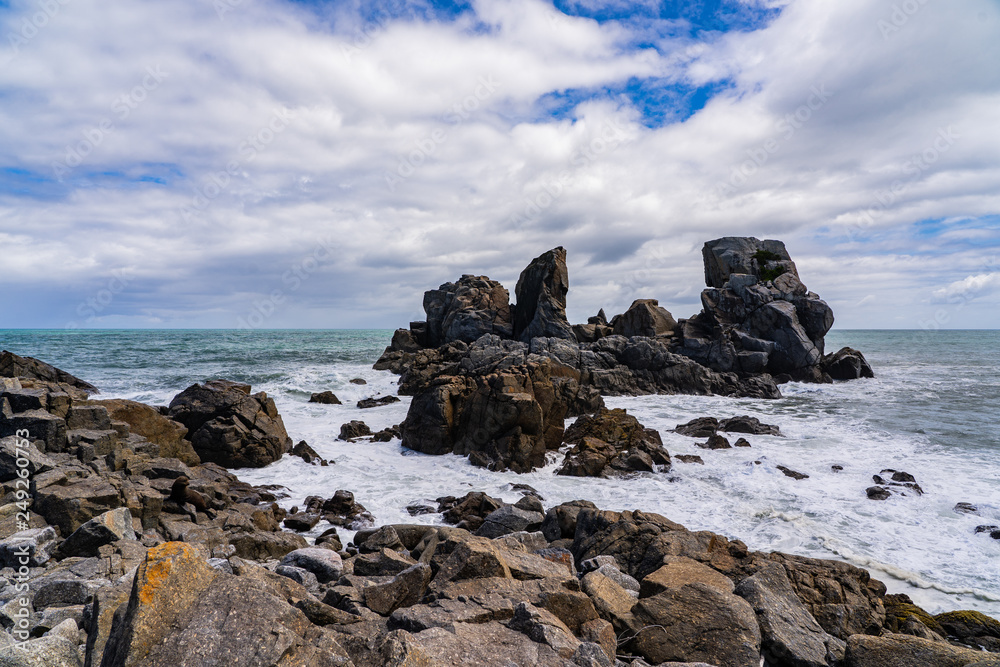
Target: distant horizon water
{"type": "Point", "coordinates": [930, 411]}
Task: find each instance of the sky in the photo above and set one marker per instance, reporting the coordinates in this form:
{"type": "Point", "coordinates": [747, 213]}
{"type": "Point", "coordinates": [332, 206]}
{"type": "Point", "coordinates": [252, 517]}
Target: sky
{"type": "Point", "coordinates": [280, 164]}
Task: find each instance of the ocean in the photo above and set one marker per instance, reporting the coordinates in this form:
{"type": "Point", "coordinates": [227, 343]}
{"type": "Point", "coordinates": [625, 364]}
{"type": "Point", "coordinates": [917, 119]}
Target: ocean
{"type": "Point", "coordinates": [931, 412]}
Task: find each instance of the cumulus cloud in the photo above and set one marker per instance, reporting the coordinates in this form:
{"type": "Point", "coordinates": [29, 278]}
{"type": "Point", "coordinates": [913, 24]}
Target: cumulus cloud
{"type": "Point", "coordinates": [328, 165]}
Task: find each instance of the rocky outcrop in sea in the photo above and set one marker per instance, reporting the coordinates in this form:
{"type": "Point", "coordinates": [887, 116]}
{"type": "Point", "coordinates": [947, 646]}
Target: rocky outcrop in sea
{"type": "Point", "coordinates": [123, 544]}
{"type": "Point", "coordinates": [496, 381]}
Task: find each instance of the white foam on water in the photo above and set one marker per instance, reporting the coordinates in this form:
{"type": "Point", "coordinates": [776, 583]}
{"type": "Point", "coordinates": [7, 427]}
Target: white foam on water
{"type": "Point", "coordinates": [915, 544]}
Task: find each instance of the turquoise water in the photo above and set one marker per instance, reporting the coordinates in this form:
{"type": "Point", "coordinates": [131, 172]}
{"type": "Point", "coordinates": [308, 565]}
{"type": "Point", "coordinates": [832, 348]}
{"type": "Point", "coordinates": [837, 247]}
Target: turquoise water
{"type": "Point", "coordinates": [931, 411]}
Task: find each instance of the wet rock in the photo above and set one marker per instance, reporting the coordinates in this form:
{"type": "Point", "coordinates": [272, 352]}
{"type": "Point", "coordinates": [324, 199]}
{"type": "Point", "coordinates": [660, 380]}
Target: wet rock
{"type": "Point", "coordinates": [992, 531]}
{"type": "Point", "coordinates": [741, 442]}
{"type": "Point", "coordinates": [377, 402]}
{"type": "Point", "coordinates": [470, 511]}
{"type": "Point", "coordinates": [689, 458]}
{"type": "Point", "coordinates": [387, 434]}
{"type": "Point", "coordinates": [541, 299]}
{"type": "Point", "coordinates": [716, 442]}
{"type": "Point", "coordinates": [301, 521]}
{"type": "Point", "coordinates": [325, 398]}
{"type": "Point", "coordinates": [966, 508]}
{"type": "Point", "coordinates": [788, 472]}
{"type": "Point", "coordinates": [342, 510]}
{"type": "Point", "coordinates": [847, 364]}
{"type": "Point", "coordinates": [308, 454]}
{"type": "Point", "coordinates": [749, 425]}
{"type": "Point", "coordinates": [877, 493]}
{"type": "Point", "coordinates": [645, 317]}
{"type": "Point", "coordinates": [611, 442]}
{"type": "Point", "coordinates": [229, 426]}
{"type": "Point", "coordinates": [354, 429]}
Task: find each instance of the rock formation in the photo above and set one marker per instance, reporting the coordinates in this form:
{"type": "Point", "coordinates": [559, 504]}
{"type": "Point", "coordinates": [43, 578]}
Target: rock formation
{"type": "Point", "coordinates": [757, 315]}
{"type": "Point", "coordinates": [112, 578]}
{"type": "Point", "coordinates": [465, 310]}
{"type": "Point", "coordinates": [541, 299]}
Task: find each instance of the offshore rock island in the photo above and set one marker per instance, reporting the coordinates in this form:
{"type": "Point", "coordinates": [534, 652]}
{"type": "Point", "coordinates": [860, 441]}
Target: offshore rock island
{"type": "Point", "coordinates": [495, 381]}
{"type": "Point", "coordinates": [127, 542]}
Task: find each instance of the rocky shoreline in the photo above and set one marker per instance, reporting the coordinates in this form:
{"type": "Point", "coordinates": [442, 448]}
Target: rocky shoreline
{"type": "Point", "coordinates": [124, 539]}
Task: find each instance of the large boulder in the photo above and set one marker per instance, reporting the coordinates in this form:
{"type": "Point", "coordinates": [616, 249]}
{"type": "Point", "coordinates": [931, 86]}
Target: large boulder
{"type": "Point", "coordinates": [147, 421]}
{"type": "Point", "coordinates": [645, 317]}
{"type": "Point", "coordinates": [12, 366]}
{"type": "Point", "coordinates": [847, 364]}
{"type": "Point", "coordinates": [892, 650]}
{"type": "Point", "coordinates": [229, 426]}
{"type": "Point", "coordinates": [505, 420]}
{"type": "Point", "coordinates": [757, 316]}
{"type": "Point", "coordinates": [541, 299]}
{"type": "Point", "coordinates": [465, 310]}
{"type": "Point", "coordinates": [612, 442]}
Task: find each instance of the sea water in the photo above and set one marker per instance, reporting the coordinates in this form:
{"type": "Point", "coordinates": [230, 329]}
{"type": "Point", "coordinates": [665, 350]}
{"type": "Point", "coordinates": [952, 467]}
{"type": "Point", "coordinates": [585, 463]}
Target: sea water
{"type": "Point", "coordinates": [931, 411]}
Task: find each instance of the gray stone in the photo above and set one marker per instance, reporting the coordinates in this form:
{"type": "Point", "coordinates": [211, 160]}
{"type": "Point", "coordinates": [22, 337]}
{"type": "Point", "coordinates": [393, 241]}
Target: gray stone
{"type": "Point", "coordinates": [541, 299]}
{"type": "Point", "coordinates": [324, 563]}
{"type": "Point", "coordinates": [56, 649]}
{"type": "Point", "coordinates": [510, 519]}
{"type": "Point", "coordinates": [104, 529]}
{"type": "Point", "coordinates": [34, 544]}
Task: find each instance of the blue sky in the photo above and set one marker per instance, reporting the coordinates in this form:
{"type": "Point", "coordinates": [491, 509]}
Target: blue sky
{"type": "Point", "coordinates": [321, 164]}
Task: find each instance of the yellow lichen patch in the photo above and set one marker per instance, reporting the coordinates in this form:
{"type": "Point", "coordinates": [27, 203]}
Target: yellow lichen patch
{"type": "Point", "coordinates": [157, 567]}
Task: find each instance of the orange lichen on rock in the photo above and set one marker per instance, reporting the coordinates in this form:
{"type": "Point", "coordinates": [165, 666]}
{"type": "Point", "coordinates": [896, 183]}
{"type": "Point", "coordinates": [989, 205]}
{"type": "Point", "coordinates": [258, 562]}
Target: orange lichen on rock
{"type": "Point", "coordinates": [156, 570]}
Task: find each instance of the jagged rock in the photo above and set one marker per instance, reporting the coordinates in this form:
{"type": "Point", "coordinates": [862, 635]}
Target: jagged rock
{"type": "Point", "coordinates": [689, 458]}
{"type": "Point", "coordinates": [342, 510]}
{"type": "Point", "coordinates": [905, 618]}
{"type": "Point", "coordinates": [716, 441]}
{"type": "Point", "coordinates": [12, 366]}
{"type": "Point", "coordinates": [404, 590]}
{"type": "Point", "coordinates": [228, 426]}
{"type": "Point", "coordinates": [76, 502]}
{"type": "Point", "coordinates": [470, 511]}
{"type": "Point", "coordinates": [847, 364]}
{"type": "Point", "coordinates": [560, 521]}
{"type": "Point", "coordinates": [104, 529]}
{"type": "Point", "coordinates": [377, 402]}
{"type": "Point", "coordinates": [13, 449]}
{"type": "Point", "coordinates": [45, 430]}
{"type": "Point", "coordinates": [354, 429]}
{"type": "Point", "coordinates": [467, 309]}
{"type": "Point", "coordinates": [609, 442]}
{"type": "Point", "coordinates": [504, 420]}
{"type": "Point", "coordinates": [387, 434]}
{"type": "Point", "coordinates": [645, 317]}
{"type": "Point", "coordinates": [695, 622]}
{"type": "Point", "coordinates": [308, 454]}
{"type": "Point", "coordinates": [149, 423]}
{"type": "Point", "coordinates": [757, 316]}
{"type": "Point", "coordinates": [701, 427]}
{"type": "Point", "coordinates": [878, 493]}
{"type": "Point", "coordinates": [790, 635]}
{"type": "Point", "coordinates": [509, 519]}
{"type": "Point", "coordinates": [541, 299]}
{"type": "Point", "coordinates": [747, 424]}
{"type": "Point", "coordinates": [788, 472]}
{"type": "Point", "coordinates": [545, 628]}
{"type": "Point", "coordinates": [325, 398]}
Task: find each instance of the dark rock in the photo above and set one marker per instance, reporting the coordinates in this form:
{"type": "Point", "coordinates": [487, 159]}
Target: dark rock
{"type": "Point", "coordinates": [966, 508]}
{"type": "Point", "coordinates": [878, 493]}
{"type": "Point", "coordinates": [354, 429]}
{"type": "Point", "coordinates": [12, 366]}
{"type": "Point", "coordinates": [612, 441]}
{"type": "Point", "coordinates": [342, 510]}
{"type": "Point", "coordinates": [541, 299]}
{"type": "Point", "coordinates": [104, 529]}
{"type": "Point", "coordinates": [384, 537]}
{"type": "Point", "coordinates": [791, 473]}
{"type": "Point", "coordinates": [509, 519]}
{"type": "Point", "coordinates": [702, 427]}
{"type": "Point", "coordinates": [743, 255]}
{"type": "Point", "coordinates": [470, 511]}
{"type": "Point", "coordinates": [746, 424]}
{"type": "Point", "coordinates": [377, 402]}
{"type": "Point", "coordinates": [228, 426]}
{"type": "Point", "coordinates": [993, 531]}
{"type": "Point", "coordinates": [301, 521]}
{"type": "Point", "coordinates": [357, 381]}
{"type": "Point", "coordinates": [467, 309]}
{"type": "Point", "coordinates": [847, 364]}
{"type": "Point", "coordinates": [560, 521]}
{"type": "Point", "coordinates": [904, 617]}
{"type": "Point", "coordinates": [644, 317]}
{"type": "Point", "coordinates": [325, 397]}
{"type": "Point", "coordinates": [716, 442]}
{"type": "Point", "coordinates": [387, 434]}
{"type": "Point", "coordinates": [530, 503]}
{"type": "Point", "coordinates": [419, 509]}
{"type": "Point", "coordinates": [12, 449]}
{"type": "Point", "coordinates": [308, 454]}
{"type": "Point", "coordinates": [970, 627]}
{"type": "Point", "coordinates": [741, 442]}
{"type": "Point", "coordinates": [689, 458]}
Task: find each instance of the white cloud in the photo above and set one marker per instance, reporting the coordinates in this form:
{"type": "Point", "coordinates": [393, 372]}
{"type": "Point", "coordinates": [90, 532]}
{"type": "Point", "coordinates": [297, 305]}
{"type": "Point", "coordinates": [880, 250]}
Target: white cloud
{"type": "Point", "coordinates": [478, 183]}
